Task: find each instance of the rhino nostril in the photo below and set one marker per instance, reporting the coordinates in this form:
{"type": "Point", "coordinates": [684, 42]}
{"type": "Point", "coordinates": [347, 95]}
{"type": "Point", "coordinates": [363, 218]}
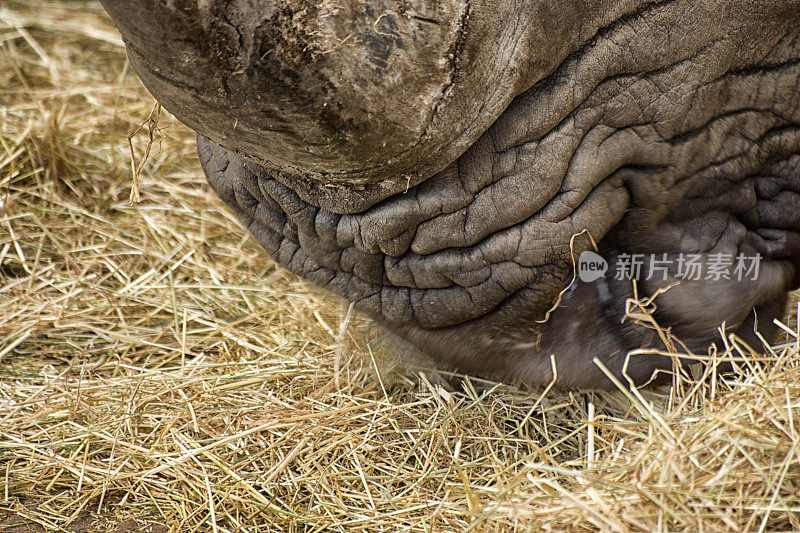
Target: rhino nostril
{"type": "Point", "coordinates": [778, 244]}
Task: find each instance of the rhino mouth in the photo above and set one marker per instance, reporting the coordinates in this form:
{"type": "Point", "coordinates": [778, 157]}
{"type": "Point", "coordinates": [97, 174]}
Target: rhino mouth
{"type": "Point", "coordinates": [651, 149]}
{"type": "Point", "coordinates": [468, 263]}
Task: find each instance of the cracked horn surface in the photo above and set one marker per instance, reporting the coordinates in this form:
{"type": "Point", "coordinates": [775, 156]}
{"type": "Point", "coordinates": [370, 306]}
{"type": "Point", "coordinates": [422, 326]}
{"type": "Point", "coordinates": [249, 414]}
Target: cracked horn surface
{"type": "Point", "coordinates": [375, 95]}
{"type": "Point", "coordinates": [341, 90]}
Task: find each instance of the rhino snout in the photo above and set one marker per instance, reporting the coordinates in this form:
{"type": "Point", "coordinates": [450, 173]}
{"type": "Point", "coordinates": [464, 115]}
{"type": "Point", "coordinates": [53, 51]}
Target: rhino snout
{"type": "Point", "coordinates": [445, 164]}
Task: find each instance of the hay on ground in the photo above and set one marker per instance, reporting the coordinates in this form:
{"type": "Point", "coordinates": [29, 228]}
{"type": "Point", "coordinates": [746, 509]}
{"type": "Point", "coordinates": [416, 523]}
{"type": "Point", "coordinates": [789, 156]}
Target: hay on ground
{"type": "Point", "coordinates": [158, 371]}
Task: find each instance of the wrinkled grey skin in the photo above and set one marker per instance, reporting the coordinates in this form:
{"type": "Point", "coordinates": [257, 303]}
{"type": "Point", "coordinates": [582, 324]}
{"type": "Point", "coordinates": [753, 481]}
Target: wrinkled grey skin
{"type": "Point", "coordinates": [430, 161]}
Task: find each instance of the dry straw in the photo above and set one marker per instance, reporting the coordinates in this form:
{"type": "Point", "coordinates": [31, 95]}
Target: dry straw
{"type": "Point", "coordinates": [158, 371]}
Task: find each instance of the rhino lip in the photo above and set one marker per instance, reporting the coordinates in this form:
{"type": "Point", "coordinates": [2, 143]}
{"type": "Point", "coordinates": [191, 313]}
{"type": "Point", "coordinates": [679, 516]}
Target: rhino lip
{"type": "Point", "coordinates": [386, 259]}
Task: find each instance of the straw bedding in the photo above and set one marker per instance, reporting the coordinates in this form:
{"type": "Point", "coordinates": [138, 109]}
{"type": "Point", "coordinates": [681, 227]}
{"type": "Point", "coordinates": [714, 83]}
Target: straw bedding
{"type": "Point", "coordinates": [158, 372]}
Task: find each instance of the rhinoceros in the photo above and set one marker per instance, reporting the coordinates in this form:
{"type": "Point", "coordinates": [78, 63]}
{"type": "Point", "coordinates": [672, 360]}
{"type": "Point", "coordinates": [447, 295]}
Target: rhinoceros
{"type": "Point", "coordinates": [453, 167]}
